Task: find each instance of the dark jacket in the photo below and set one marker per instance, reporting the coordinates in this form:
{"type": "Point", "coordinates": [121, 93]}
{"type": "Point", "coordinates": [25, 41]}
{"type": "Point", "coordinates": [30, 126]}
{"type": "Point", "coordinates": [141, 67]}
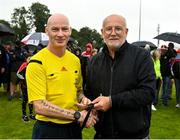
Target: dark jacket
{"type": "Point", "coordinates": [166, 63]}
{"type": "Point", "coordinates": [18, 57]}
{"type": "Point", "coordinates": [2, 63]}
{"type": "Point", "coordinates": [175, 68]}
{"type": "Point", "coordinates": [2, 57]}
{"type": "Point", "coordinates": [129, 79]}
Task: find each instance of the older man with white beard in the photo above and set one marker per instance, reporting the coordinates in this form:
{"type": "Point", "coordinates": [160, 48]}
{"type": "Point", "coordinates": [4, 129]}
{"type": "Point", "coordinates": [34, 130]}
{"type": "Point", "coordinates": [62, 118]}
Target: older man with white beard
{"type": "Point", "coordinates": [121, 83]}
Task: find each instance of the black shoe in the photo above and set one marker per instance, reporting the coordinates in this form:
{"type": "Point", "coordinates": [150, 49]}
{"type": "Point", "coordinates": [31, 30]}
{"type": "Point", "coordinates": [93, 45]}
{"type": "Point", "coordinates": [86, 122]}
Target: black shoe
{"type": "Point", "coordinates": [25, 118]}
{"type": "Point", "coordinates": [155, 103]}
{"type": "Point", "coordinates": [20, 98]}
{"type": "Point", "coordinates": [31, 116]}
{"type": "Point", "coordinates": [15, 94]}
{"type": "Point", "coordinates": [10, 98]}
{"type": "Point", "coordinates": [165, 103]}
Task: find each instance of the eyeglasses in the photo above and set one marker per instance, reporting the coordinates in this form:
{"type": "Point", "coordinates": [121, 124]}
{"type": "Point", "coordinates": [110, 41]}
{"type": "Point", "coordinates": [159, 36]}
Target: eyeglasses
{"type": "Point", "coordinates": [117, 30]}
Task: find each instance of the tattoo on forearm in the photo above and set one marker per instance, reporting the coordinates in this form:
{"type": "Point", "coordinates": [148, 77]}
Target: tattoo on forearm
{"type": "Point", "coordinates": [80, 95]}
{"type": "Point", "coordinates": [55, 109]}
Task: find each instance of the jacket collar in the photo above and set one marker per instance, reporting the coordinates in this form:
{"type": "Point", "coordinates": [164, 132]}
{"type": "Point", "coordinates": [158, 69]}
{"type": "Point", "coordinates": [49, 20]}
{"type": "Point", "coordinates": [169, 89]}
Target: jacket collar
{"type": "Point", "coordinates": [119, 50]}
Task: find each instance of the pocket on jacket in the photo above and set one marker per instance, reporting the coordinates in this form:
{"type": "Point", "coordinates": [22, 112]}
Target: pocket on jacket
{"type": "Point", "coordinates": [131, 121]}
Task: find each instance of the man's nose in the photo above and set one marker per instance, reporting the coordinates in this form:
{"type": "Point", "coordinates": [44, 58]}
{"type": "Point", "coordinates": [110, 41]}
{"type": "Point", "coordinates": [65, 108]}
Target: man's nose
{"type": "Point", "coordinates": [113, 31]}
{"type": "Point", "coordinates": [60, 32]}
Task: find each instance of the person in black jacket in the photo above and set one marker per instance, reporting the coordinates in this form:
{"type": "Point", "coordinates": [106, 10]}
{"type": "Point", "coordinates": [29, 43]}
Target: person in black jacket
{"type": "Point", "coordinates": [121, 84]}
{"type": "Point", "coordinates": [17, 58]}
{"type": "Point", "coordinates": [2, 64]}
{"type": "Point", "coordinates": [165, 60]}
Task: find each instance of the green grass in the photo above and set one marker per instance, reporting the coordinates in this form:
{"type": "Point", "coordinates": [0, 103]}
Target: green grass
{"type": "Point", "coordinates": [165, 122]}
{"type": "Point", "coordinates": [11, 125]}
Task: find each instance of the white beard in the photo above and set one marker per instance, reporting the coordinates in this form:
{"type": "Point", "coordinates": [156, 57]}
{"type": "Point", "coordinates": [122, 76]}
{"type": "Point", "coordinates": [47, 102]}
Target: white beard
{"type": "Point", "coordinates": [113, 45]}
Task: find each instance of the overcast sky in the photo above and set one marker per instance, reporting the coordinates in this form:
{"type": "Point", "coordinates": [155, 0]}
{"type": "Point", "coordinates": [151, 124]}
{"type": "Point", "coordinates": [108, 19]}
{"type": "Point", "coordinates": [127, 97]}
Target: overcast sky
{"type": "Point", "coordinates": [91, 13]}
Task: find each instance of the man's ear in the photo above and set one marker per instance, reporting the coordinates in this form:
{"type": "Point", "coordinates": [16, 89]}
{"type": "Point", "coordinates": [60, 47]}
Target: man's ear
{"type": "Point", "coordinates": [102, 33]}
{"type": "Point", "coordinates": [127, 30]}
{"type": "Point", "coordinates": [70, 30]}
{"type": "Point", "coordinates": [46, 30]}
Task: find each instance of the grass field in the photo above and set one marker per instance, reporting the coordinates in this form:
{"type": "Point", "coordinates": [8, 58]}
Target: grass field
{"type": "Point", "coordinates": [165, 121]}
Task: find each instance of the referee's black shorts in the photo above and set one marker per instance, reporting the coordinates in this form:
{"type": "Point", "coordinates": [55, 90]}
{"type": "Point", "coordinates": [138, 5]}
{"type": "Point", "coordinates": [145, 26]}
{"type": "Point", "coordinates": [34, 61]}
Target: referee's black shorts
{"type": "Point", "coordinates": [49, 130]}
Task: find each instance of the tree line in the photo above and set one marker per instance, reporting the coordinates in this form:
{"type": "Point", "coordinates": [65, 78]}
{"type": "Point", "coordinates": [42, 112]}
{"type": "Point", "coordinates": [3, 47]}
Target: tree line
{"type": "Point", "coordinates": [24, 21]}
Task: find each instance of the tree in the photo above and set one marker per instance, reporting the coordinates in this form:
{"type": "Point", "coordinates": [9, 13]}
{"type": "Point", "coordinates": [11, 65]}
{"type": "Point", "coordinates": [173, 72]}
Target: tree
{"type": "Point", "coordinates": [86, 35]}
{"type": "Point", "coordinates": [20, 23]}
{"type": "Point", "coordinates": [75, 34]}
{"type": "Point", "coordinates": [38, 16]}
{"type": "Point", "coordinates": [35, 17]}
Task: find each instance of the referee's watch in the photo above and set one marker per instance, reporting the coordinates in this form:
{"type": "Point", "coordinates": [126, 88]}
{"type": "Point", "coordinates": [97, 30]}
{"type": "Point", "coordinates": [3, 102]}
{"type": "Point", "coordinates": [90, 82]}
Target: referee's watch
{"type": "Point", "coordinates": [77, 115]}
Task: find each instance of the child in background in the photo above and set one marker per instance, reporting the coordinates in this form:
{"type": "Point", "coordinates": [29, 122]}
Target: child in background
{"type": "Point", "coordinates": [21, 75]}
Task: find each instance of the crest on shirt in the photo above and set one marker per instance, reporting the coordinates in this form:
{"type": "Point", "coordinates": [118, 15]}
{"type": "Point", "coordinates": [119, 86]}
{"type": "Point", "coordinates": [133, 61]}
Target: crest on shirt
{"type": "Point", "coordinates": [63, 69]}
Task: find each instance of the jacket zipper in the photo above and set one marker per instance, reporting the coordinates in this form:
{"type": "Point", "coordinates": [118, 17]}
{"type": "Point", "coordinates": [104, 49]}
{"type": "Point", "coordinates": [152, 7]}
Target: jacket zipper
{"type": "Point", "coordinates": [110, 92]}
{"type": "Point", "coordinates": [110, 88]}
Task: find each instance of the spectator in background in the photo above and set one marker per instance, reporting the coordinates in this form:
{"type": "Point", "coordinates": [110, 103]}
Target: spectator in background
{"type": "Point", "coordinates": [40, 46]}
{"type": "Point", "coordinates": [88, 50]}
{"type": "Point", "coordinates": [167, 54]}
{"type": "Point", "coordinates": [173, 53]}
{"type": "Point", "coordinates": [77, 51]}
{"type": "Point", "coordinates": [94, 51]}
{"type": "Point", "coordinates": [21, 75]}
{"type": "Point", "coordinates": [84, 61]}
{"type": "Point", "coordinates": [175, 69]}
{"type": "Point", "coordinates": [147, 47]}
{"type": "Point", "coordinates": [18, 57]}
{"type": "Point", "coordinates": [8, 51]}
{"type": "Point", "coordinates": [2, 64]}
{"type": "Point", "coordinates": [156, 59]}
{"type": "Point", "coordinates": [31, 50]}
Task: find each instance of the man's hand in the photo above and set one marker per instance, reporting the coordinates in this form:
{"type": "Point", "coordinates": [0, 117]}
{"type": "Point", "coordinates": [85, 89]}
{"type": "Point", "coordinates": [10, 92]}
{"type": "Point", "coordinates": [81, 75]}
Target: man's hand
{"type": "Point", "coordinates": [102, 103]}
{"type": "Point", "coordinates": [84, 103]}
{"type": "Point", "coordinates": [91, 120]}
{"type": "Point", "coordinates": [2, 70]}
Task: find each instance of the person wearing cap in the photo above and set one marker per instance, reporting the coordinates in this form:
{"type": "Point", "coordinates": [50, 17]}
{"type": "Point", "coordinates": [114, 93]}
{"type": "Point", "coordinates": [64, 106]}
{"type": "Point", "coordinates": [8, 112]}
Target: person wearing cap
{"type": "Point", "coordinates": [54, 84]}
{"type": "Point", "coordinates": [121, 84]}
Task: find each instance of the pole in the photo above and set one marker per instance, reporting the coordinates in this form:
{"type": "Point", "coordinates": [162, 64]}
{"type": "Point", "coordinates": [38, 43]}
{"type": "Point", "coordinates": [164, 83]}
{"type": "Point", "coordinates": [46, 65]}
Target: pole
{"type": "Point", "coordinates": [140, 21]}
{"type": "Point", "coordinates": [158, 30]}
